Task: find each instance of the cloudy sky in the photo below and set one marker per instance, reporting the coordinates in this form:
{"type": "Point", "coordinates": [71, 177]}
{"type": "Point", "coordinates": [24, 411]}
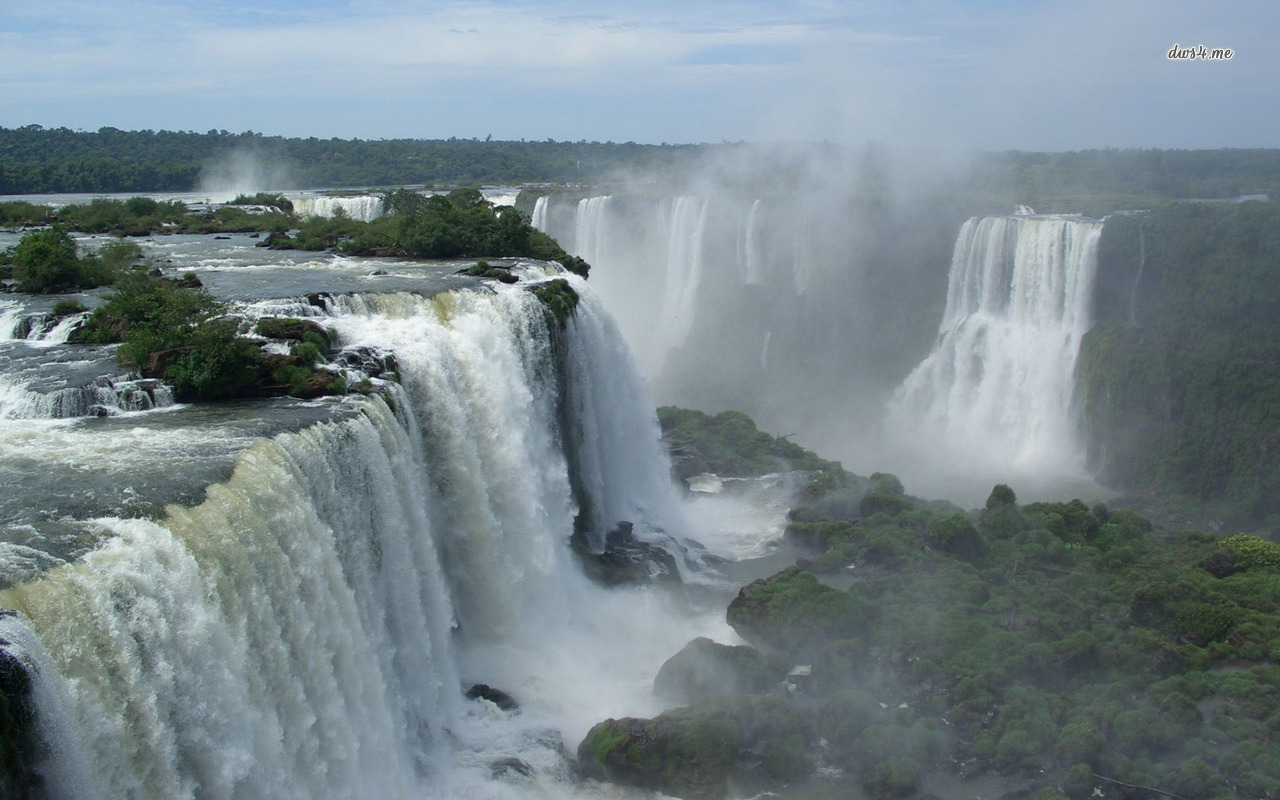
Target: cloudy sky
{"type": "Point", "coordinates": [1025, 74]}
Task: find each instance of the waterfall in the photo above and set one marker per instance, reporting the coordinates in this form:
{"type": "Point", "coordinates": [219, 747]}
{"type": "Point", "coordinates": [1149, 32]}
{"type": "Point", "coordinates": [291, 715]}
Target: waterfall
{"type": "Point", "coordinates": [363, 208]}
{"type": "Point", "coordinates": [685, 260]}
{"type": "Point", "coordinates": [108, 396]}
{"type": "Point", "coordinates": [589, 230]}
{"type": "Point", "coordinates": [996, 391]}
{"type": "Point", "coordinates": [305, 631]}
{"type": "Point", "coordinates": [753, 258]}
{"type": "Point", "coordinates": [539, 218]}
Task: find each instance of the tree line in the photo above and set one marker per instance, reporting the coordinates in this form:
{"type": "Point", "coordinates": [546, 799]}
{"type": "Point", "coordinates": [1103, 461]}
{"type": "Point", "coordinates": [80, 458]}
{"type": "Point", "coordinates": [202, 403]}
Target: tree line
{"type": "Point", "coordinates": [34, 159]}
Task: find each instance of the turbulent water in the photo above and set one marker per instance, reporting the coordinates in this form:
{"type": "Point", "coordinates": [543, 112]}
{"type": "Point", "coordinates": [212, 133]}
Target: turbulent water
{"type": "Point", "coordinates": [304, 627]}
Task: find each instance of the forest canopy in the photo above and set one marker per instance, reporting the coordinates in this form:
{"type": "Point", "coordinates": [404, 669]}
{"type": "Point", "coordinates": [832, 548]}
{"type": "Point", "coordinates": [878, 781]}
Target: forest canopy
{"type": "Point", "coordinates": [34, 159]}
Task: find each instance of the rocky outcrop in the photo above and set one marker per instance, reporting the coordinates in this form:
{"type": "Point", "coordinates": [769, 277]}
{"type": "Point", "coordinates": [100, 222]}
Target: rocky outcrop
{"type": "Point", "coordinates": [706, 669]}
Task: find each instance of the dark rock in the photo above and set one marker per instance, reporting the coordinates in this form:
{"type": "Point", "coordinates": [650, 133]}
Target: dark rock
{"type": "Point", "coordinates": [483, 691]}
{"type": "Point", "coordinates": [369, 360]}
{"type": "Point", "coordinates": [318, 299]}
{"type": "Point", "coordinates": [222, 237]}
{"type": "Point", "coordinates": [278, 241]}
{"type": "Point", "coordinates": [378, 272]}
{"type": "Point", "coordinates": [1220, 564]}
{"type": "Point", "coordinates": [291, 328]}
{"type": "Point", "coordinates": [506, 766]}
{"type": "Point", "coordinates": [704, 669]}
{"type": "Point", "coordinates": [629, 560]}
{"type": "Point", "coordinates": [23, 329]}
{"type": "Point", "coordinates": [188, 281]}
{"type": "Point", "coordinates": [508, 277]}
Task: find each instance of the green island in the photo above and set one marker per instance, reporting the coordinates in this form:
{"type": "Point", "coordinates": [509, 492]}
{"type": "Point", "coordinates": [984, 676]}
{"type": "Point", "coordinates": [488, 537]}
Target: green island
{"type": "Point", "coordinates": [1074, 651]}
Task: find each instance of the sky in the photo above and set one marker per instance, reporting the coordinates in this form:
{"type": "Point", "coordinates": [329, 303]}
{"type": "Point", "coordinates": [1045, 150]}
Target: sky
{"type": "Point", "coordinates": [962, 74]}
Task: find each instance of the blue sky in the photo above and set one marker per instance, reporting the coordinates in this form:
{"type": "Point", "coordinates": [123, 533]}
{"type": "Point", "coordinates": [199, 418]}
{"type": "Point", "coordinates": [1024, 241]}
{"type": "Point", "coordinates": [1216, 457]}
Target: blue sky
{"type": "Point", "coordinates": [990, 74]}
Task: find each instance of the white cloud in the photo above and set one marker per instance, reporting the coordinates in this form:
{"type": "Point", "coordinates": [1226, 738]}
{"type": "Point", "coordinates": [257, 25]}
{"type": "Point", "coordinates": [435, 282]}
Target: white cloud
{"type": "Point", "coordinates": [991, 73]}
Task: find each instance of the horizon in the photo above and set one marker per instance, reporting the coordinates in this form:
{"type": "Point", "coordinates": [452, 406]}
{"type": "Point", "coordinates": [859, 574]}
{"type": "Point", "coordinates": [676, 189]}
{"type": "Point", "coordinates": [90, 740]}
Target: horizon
{"type": "Point", "coordinates": [966, 75]}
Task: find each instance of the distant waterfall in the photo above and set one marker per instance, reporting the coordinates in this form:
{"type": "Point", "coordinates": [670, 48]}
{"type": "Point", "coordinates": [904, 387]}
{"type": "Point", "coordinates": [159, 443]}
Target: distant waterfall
{"type": "Point", "coordinates": [685, 265]}
{"type": "Point", "coordinates": [589, 228]}
{"type": "Point", "coordinates": [539, 218]}
{"type": "Point", "coordinates": [305, 630]}
{"type": "Point", "coordinates": [997, 388]}
{"type": "Point", "coordinates": [363, 208]}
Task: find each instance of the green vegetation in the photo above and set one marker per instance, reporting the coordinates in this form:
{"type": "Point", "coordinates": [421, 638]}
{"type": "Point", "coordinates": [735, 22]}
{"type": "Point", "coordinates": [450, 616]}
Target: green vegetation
{"type": "Point", "coordinates": [48, 261]}
{"type": "Point", "coordinates": [1180, 380]}
{"type": "Point", "coordinates": [728, 444]}
{"type": "Point", "coordinates": [461, 224]}
{"type": "Point", "coordinates": [38, 160]}
{"type": "Point", "coordinates": [1069, 647]}
{"type": "Point", "coordinates": [180, 334]}
{"type": "Point", "coordinates": [143, 216]}
{"type": "Point", "coordinates": [264, 199]}
{"type": "Point", "coordinates": [559, 298]}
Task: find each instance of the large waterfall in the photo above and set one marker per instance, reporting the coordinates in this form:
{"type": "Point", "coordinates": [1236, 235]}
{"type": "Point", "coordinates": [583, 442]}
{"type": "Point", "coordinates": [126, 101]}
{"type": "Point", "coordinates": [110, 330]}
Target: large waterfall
{"type": "Point", "coordinates": [994, 397]}
{"type": "Point", "coordinates": [306, 630]}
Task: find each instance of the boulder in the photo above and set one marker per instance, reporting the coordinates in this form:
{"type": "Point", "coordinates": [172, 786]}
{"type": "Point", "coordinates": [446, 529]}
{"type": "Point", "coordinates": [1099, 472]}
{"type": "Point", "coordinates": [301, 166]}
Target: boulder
{"type": "Point", "coordinates": [483, 691]}
{"type": "Point", "coordinates": [704, 668]}
{"type": "Point", "coordinates": [793, 613]}
{"type": "Point", "coordinates": [629, 560]}
{"type": "Point", "coordinates": [291, 328]}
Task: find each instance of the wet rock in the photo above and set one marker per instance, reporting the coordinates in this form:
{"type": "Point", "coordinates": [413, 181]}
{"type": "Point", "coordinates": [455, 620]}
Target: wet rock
{"type": "Point", "coordinates": [509, 765]}
{"type": "Point", "coordinates": [629, 560]}
{"type": "Point", "coordinates": [483, 691]}
{"type": "Point", "coordinates": [291, 328]}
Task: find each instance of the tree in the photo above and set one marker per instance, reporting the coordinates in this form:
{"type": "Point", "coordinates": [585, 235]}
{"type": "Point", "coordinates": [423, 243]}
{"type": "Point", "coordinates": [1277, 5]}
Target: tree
{"type": "Point", "coordinates": [46, 261]}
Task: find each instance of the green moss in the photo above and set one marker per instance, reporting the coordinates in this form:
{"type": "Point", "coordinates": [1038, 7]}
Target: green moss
{"type": "Point", "coordinates": [559, 298]}
{"type": "Point", "coordinates": [729, 444]}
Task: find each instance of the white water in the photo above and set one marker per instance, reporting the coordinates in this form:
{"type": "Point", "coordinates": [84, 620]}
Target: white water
{"type": "Point", "coordinates": [993, 401]}
{"type": "Point", "coordinates": [306, 630]}
{"type": "Point", "coordinates": [539, 218]}
{"type": "Point", "coordinates": [364, 208]}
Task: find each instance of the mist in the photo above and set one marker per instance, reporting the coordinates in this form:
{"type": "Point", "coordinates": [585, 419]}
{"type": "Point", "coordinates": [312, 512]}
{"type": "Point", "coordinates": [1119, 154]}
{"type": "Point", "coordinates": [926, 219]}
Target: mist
{"type": "Point", "coordinates": [804, 284]}
{"type": "Point", "coordinates": [244, 170]}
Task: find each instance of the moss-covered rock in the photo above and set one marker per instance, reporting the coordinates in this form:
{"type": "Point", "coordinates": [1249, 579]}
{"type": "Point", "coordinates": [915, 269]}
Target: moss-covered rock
{"type": "Point", "coordinates": [792, 612]}
{"type": "Point", "coordinates": [294, 329]}
{"type": "Point", "coordinates": [705, 668]}
{"type": "Point", "coordinates": [559, 298]}
{"type": "Point", "coordinates": [684, 754]}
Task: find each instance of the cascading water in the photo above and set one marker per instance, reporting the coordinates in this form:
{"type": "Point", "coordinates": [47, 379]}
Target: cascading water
{"type": "Point", "coordinates": [305, 630]}
{"type": "Point", "coordinates": [589, 229]}
{"type": "Point", "coordinates": [364, 208]}
{"type": "Point", "coordinates": [995, 394]}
